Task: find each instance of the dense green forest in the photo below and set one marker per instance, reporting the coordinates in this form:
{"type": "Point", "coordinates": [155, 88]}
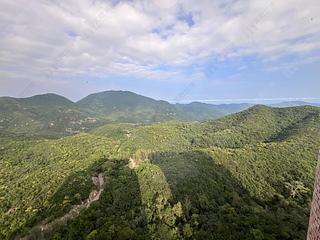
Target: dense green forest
{"type": "Point", "coordinates": [54, 115]}
{"type": "Point", "coordinates": [248, 175]}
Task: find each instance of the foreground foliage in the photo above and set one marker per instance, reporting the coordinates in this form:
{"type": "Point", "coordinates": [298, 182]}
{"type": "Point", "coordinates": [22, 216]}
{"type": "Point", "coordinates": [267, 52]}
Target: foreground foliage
{"type": "Point", "coordinates": [245, 176]}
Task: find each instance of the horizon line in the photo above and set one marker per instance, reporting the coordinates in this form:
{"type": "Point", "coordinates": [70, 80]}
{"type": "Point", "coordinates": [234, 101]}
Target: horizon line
{"type": "Point", "coordinates": [249, 99]}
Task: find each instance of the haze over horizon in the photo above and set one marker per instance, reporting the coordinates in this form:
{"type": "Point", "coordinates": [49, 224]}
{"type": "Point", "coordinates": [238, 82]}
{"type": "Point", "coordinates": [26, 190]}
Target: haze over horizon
{"type": "Point", "coordinates": [172, 50]}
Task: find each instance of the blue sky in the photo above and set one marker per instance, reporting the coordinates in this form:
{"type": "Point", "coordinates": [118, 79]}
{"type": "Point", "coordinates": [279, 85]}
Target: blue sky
{"type": "Point", "coordinates": [173, 50]}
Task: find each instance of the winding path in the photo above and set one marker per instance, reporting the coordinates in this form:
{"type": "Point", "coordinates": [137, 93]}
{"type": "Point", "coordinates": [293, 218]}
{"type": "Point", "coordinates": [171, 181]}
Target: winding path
{"type": "Point", "coordinates": [98, 181]}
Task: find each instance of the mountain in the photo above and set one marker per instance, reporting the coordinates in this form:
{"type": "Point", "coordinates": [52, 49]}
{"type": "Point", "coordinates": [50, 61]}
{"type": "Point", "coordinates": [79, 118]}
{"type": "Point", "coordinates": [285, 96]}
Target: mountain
{"type": "Point", "coordinates": [124, 106]}
{"type": "Point", "coordinates": [51, 114]}
{"type": "Point", "coordinates": [46, 100]}
{"type": "Point", "coordinates": [201, 111]}
{"type": "Point", "coordinates": [295, 104]}
{"type": "Point", "coordinates": [248, 175]}
{"type": "Point", "coordinates": [47, 114]}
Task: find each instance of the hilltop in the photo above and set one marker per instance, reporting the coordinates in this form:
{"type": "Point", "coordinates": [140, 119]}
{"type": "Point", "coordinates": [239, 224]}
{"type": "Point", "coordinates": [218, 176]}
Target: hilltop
{"type": "Point", "coordinates": [126, 106]}
{"type": "Point", "coordinates": [47, 114]}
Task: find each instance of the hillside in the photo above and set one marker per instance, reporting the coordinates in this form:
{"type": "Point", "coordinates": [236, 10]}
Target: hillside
{"type": "Point", "coordinates": [197, 111]}
{"type": "Point", "coordinates": [126, 106]}
{"type": "Point", "coordinates": [245, 176]}
{"type": "Point", "coordinates": [259, 124]}
{"type": "Point", "coordinates": [51, 114]}
{"type": "Point", "coordinates": [47, 114]}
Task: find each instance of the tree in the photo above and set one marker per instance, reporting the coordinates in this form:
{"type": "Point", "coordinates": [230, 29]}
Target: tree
{"type": "Point", "coordinates": [187, 230]}
{"type": "Point", "coordinates": [296, 189]}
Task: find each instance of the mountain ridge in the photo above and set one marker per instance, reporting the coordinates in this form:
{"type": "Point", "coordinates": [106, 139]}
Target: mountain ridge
{"type": "Point", "coordinates": [55, 114]}
{"type": "Point", "coordinates": [280, 104]}
{"type": "Point", "coordinates": [52, 114]}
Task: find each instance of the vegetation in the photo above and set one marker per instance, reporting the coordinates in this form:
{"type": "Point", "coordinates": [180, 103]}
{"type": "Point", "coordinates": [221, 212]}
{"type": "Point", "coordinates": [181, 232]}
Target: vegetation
{"type": "Point", "coordinates": [124, 106]}
{"type": "Point", "coordinates": [32, 170]}
{"type": "Point", "coordinates": [54, 115]}
{"type": "Point", "coordinates": [47, 114]}
{"type": "Point", "coordinates": [245, 176]}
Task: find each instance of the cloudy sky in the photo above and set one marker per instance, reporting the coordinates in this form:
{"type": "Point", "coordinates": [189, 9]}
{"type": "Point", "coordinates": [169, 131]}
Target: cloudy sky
{"type": "Point", "coordinates": [166, 49]}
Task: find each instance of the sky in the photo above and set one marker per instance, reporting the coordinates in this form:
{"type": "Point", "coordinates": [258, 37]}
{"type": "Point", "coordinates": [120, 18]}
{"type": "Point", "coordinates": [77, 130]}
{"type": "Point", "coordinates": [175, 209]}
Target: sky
{"type": "Point", "coordinates": [206, 50]}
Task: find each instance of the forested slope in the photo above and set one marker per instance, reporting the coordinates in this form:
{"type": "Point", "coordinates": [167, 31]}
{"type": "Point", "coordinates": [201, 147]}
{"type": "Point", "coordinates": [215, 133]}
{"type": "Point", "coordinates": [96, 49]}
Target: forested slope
{"type": "Point", "coordinates": [54, 115]}
{"type": "Point", "coordinates": [47, 114]}
{"type": "Point", "coordinates": [245, 176]}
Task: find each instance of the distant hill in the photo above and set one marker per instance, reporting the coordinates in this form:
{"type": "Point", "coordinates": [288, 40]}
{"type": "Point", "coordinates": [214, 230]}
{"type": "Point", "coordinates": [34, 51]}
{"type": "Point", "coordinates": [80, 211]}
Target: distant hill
{"type": "Point", "coordinates": [124, 106]}
{"type": "Point", "coordinates": [294, 104]}
{"type": "Point", "coordinates": [202, 111]}
{"type": "Point", "coordinates": [47, 114]}
{"type": "Point", "coordinates": [51, 114]}
{"type": "Point", "coordinates": [46, 100]}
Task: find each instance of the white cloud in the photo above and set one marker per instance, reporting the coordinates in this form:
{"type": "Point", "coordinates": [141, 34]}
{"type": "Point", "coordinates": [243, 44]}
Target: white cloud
{"type": "Point", "coordinates": [75, 37]}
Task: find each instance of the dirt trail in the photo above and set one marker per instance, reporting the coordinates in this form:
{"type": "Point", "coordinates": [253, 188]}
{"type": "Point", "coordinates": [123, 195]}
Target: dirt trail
{"type": "Point", "coordinates": [94, 195]}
